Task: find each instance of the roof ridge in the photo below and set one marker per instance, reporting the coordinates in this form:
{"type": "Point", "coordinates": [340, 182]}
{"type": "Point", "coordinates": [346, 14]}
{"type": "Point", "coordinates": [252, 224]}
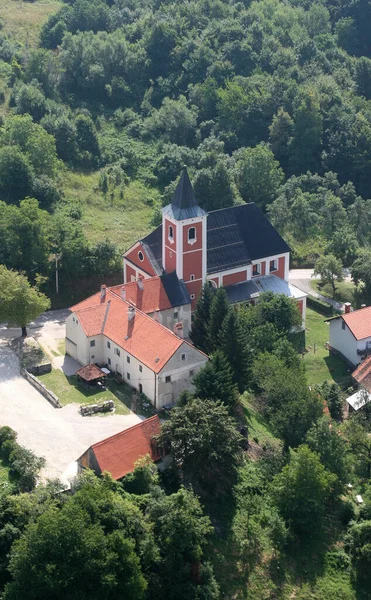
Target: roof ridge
{"type": "Point", "coordinates": [140, 424]}
{"type": "Point", "coordinates": [106, 315]}
{"type": "Point", "coordinates": [233, 206]}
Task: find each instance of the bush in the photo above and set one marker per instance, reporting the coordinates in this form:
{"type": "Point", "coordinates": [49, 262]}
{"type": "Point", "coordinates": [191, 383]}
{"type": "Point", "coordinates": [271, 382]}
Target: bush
{"type": "Point", "coordinates": [320, 306]}
{"type": "Point", "coordinates": [25, 465]}
{"type": "Point", "coordinates": [7, 433]}
{"type": "Point", "coordinates": [347, 513]}
{"type": "Point", "coordinates": [7, 448]}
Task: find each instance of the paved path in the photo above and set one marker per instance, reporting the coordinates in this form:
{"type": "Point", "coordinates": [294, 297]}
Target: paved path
{"type": "Point", "coordinates": [60, 435]}
{"type": "Point", "coordinates": [301, 278]}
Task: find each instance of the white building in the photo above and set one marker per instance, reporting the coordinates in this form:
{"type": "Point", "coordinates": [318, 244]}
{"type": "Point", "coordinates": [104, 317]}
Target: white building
{"type": "Point", "coordinates": [109, 330]}
{"type": "Point", "coordinates": [350, 334]}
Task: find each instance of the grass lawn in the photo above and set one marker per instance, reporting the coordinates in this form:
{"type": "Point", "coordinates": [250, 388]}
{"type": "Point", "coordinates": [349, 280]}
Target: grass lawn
{"type": "Point", "coordinates": [320, 364]}
{"type": "Point", "coordinates": [69, 391]}
{"type": "Point", "coordinates": [22, 21]}
{"type": "Point", "coordinates": [344, 290]}
{"type": "Point", "coordinates": [258, 428]}
{"type": "Point", "coordinates": [122, 220]}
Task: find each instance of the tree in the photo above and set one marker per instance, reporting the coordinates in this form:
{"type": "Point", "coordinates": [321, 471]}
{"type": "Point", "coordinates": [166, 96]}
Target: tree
{"type": "Point", "coordinates": [258, 175]}
{"type": "Point", "coordinates": [330, 269]}
{"type": "Point", "coordinates": [201, 318]}
{"type": "Point", "coordinates": [181, 532]}
{"type": "Point", "coordinates": [360, 443]}
{"type": "Point", "coordinates": [307, 135]}
{"type": "Point", "coordinates": [218, 311]}
{"type": "Point", "coordinates": [204, 444]}
{"type": "Point", "coordinates": [325, 439]}
{"type": "Point", "coordinates": [85, 549]}
{"type": "Point", "coordinates": [280, 134]}
{"type": "Point", "coordinates": [20, 303]}
{"type": "Point", "coordinates": [301, 491]}
{"type": "Point", "coordinates": [215, 381]}
{"type": "Point", "coordinates": [233, 345]}
{"type": "Point", "coordinates": [361, 272]}
{"type": "Point", "coordinates": [16, 174]}
{"type": "Point", "coordinates": [360, 550]}
{"type": "Point", "coordinates": [279, 310]}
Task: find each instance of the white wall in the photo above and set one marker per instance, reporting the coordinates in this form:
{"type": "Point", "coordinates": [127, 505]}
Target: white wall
{"type": "Point", "coordinates": [166, 318]}
{"type": "Point", "coordinates": [75, 333]}
{"type": "Point", "coordinates": [344, 341]}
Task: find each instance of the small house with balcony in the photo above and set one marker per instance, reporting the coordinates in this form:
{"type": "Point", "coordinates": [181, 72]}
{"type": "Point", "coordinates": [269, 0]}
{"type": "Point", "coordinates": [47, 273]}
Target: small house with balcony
{"type": "Point", "coordinates": [350, 334]}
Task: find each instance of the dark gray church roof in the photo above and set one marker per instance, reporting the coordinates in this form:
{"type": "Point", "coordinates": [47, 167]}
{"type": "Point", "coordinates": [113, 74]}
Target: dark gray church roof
{"type": "Point", "coordinates": [175, 289]}
{"type": "Point", "coordinates": [184, 204]}
{"type": "Point", "coordinates": [235, 237]}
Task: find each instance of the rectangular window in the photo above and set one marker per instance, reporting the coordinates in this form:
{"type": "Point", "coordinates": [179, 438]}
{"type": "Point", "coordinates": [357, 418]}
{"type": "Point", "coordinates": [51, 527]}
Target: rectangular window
{"type": "Point", "coordinates": [127, 375]}
{"type": "Point", "coordinates": [128, 359]}
{"type": "Point", "coordinates": [256, 270]}
{"type": "Point", "coordinates": [92, 356]}
{"type": "Point", "coordinates": [168, 379]}
{"type": "Point", "coordinates": [171, 232]}
{"type": "Point", "coordinates": [73, 319]}
{"type": "Point", "coordinates": [343, 324]}
{"type": "Point", "coordinates": [108, 344]}
{"type": "Point", "coordinates": [77, 322]}
{"type": "Point", "coordinates": [92, 343]}
{"type": "Point", "coordinates": [109, 361]}
{"type": "Point", "coordinates": [183, 356]}
{"type": "Point", "coordinates": [176, 315]}
{"type": "Point", "coordinates": [140, 369]}
{"type": "Point", "coordinates": [273, 266]}
{"type": "Point", "coordinates": [192, 277]}
{"type": "Point", "coordinates": [191, 373]}
{"type": "Point", "coordinates": [117, 352]}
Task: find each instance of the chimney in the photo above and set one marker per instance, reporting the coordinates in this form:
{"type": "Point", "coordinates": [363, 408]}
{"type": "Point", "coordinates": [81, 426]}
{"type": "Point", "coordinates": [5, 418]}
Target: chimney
{"type": "Point", "coordinates": [123, 293]}
{"type": "Point", "coordinates": [347, 307]}
{"type": "Point", "coordinates": [140, 282]}
{"type": "Point", "coordinates": [103, 289]}
{"type": "Point", "coordinates": [178, 330]}
{"type": "Point", "coordinates": [131, 313]}
{"type": "Point", "coordinates": [156, 315]}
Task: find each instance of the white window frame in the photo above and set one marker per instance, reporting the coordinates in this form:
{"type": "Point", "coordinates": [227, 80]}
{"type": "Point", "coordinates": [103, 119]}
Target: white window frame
{"type": "Point", "coordinates": [192, 241]}
{"type": "Point", "coordinates": [140, 254]}
{"type": "Point", "coordinates": [171, 234]}
{"type": "Point", "coordinates": [258, 269]}
{"type": "Point", "coordinates": [184, 356]}
{"type": "Point", "coordinates": [275, 265]}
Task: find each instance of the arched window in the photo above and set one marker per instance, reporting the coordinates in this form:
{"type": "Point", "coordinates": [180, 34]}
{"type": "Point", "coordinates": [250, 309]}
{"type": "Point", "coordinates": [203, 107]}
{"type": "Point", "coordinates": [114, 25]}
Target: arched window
{"type": "Point", "coordinates": [171, 232]}
{"type": "Point", "coordinates": [140, 256]}
{"type": "Point", "coordinates": [192, 235]}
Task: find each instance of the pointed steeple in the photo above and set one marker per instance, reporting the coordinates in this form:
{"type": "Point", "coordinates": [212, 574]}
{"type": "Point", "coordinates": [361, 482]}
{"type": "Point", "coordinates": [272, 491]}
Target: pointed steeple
{"type": "Point", "coordinates": [184, 203]}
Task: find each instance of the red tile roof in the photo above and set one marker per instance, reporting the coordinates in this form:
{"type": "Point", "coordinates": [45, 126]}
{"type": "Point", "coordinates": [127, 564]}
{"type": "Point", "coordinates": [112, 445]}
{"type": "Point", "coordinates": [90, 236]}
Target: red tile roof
{"type": "Point", "coordinates": [152, 297]}
{"type": "Point", "coordinates": [362, 374]}
{"type": "Point", "coordinates": [90, 372]}
{"type": "Point", "coordinates": [118, 453]}
{"type": "Point", "coordinates": [142, 337]}
{"type": "Point", "coordinates": [359, 322]}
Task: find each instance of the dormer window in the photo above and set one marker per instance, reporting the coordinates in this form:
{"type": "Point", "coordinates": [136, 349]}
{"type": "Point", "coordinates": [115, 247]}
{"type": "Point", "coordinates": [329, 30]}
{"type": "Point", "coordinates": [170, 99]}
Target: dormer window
{"type": "Point", "coordinates": [171, 233]}
{"type": "Point", "coordinates": [191, 235]}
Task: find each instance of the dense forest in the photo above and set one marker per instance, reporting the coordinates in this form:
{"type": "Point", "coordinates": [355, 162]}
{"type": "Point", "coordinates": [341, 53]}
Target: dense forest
{"type": "Point", "coordinates": [264, 101]}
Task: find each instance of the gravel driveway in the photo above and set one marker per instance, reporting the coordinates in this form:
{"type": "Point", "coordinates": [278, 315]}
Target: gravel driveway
{"type": "Point", "coordinates": [60, 435]}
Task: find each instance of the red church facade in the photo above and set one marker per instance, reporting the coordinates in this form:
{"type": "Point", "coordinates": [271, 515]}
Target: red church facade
{"type": "Point", "coordinates": [236, 248]}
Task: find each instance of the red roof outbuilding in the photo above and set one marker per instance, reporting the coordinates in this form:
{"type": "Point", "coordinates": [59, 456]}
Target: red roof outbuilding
{"type": "Point", "coordinates": [359, 322]}
{"type": "Point", "coordinates": [119, 453]}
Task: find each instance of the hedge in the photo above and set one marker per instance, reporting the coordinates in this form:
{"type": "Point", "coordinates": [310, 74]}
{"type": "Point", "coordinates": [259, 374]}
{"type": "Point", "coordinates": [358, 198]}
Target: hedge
{"type": "Point", "coordinates": [321, 306]}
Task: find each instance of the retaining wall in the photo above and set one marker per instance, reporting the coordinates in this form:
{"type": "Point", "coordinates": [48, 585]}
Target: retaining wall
{"type": "Point", "coordinates": [50, 396]}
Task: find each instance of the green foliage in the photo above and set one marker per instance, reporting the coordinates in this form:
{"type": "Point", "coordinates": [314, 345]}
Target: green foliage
{"type": "Point", "coordinates": [204, 443]}
{"type": "Point", "coordinates": [302, 490]}
{"type": "Point", "coordinates": [330, 269]}
{"type": "Point", "coordinates": [259, 175]}
{"type": "Point", "coordinates": [233, 345]}
{"type": "Point", "coordinates": [360, 550]}
{"type": "Point", "coordinates": [19, 302]}
{"type": "Point", "coordinates": [219, 310]}
{"type": "Point", "coordinates": [201, 318]}
{"type": "Point", "coordinates": [215, 381]}
{"type": "Point", "coordinates": [325, 439]}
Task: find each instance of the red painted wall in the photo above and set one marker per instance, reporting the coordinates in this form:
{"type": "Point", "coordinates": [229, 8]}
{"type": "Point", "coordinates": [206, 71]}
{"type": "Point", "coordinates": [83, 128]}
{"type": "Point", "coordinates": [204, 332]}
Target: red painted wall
{"type": "Point", "coordinates": [192, 265]}
{"type": "Point", "coordinates": [281, 268]}
{"type": "Point", "coordinates": [300, 306]}
{"type": "Point", "coordinates": [144, 265]}
{"type": "Point", "coordinates": [194, 287]}
{"type": "Point", "coordinates": [129, 272]}
{"type": "Point", "coordinates": [170, 260]}
{"type": "Point", "coordinates": [262, 268]}
{"type": "Point", "coordinates": [196, 245]}
{"type": "Point", "coordinates": [234, 278]}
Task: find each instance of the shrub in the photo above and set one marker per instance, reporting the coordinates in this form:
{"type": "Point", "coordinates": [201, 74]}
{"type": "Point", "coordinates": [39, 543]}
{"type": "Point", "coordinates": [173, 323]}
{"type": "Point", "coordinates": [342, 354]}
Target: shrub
{"type": "Point", "coordinates": [320, 306]}
{"type": "Point", "coordinates": [7, 433]}
{"type": "Point", "coordinates": [7, 448]}
{"type": "Point", "coordinates": [25, 465]}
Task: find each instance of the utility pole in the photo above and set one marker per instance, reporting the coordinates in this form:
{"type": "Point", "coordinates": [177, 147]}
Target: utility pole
{"type": "Point", "coordinates": [57, 257]}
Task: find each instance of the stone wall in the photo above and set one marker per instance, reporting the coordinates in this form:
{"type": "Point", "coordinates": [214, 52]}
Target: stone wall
{"type": "Point", "coordinates": [50, 396]}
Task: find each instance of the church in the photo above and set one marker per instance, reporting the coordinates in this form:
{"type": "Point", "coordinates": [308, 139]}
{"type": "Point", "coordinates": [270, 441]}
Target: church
{"type": "Point", "coordinates": [236, 248]}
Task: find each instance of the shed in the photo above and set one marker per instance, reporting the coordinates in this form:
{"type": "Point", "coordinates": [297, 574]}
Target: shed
{"type": "Point", "coordinates": [90, 373]}
{"type": "Point", "coordinates": [359, 399]}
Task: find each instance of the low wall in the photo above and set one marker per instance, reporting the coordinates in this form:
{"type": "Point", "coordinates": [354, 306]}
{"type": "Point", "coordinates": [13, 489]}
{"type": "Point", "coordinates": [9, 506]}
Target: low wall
{"type": "Point", "coordinates": [50, 396]}
{"type": "Point", "coordinates": [40, 369]}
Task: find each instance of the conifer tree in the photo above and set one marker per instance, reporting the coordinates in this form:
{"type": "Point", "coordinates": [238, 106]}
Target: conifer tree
{"type": "Point", "coordinates": [215, 381]}
{"type": "Point", "coordinates": [218, 311]}
{"type": "Point", "coordinates": [201, 319]}
{"type": "Point", "coordinates": [233, 344]}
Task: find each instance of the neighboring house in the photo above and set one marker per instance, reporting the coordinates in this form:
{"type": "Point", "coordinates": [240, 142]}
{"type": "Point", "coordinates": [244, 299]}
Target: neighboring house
{"type": "Point", "coordinates": [362, 374]}
{"type": "Point", "coordinates": [226, 247]}
{"type": "Point", "coordinates": [119, 453]}
{"type": "Point", "coordinates": [107, 329]}
{"type": "Point", "coordinates": [350, 334]}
